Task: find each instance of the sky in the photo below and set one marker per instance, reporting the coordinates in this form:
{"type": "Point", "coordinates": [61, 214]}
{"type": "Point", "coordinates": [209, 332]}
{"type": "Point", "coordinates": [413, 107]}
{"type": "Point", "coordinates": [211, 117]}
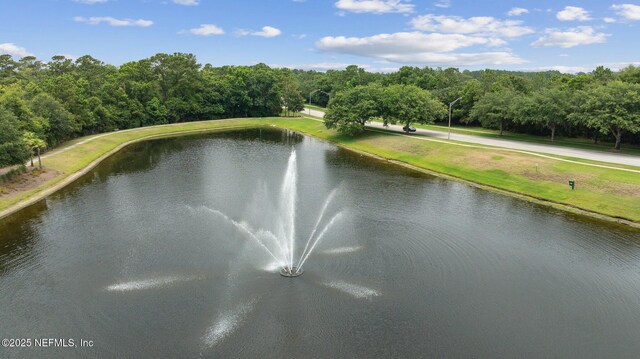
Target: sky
{"type": "Point", "coordinates": [379, 35]}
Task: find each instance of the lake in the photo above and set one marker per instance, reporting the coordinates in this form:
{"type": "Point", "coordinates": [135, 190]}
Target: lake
{"type": "Point", "coordinates": [160, 252]}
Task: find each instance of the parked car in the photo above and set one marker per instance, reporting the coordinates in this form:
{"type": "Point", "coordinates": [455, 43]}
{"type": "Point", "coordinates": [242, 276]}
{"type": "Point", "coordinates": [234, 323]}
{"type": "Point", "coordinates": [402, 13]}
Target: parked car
{"type": "Point", "coordinates": [409, 129]}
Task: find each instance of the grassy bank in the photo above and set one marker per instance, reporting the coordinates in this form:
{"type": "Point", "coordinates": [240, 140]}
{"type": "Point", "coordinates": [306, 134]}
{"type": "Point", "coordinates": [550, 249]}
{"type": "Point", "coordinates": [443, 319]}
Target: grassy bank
{"type": "Point", "coordinates": [608, 192]}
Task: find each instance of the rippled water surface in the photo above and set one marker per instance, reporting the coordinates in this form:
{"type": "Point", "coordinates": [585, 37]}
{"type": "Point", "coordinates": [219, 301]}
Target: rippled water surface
{"type": "Point", "coordinates": [132, 258]}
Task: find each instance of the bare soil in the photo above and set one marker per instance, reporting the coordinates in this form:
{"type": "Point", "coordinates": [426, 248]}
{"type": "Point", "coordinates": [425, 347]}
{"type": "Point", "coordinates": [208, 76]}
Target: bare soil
{"type": "Point", "coordinates": [26, 181]}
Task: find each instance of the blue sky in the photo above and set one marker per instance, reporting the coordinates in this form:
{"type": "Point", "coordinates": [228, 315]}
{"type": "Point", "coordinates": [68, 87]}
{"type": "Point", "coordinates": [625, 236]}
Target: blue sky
{"type": "Point", "coordinates": [381, 35]}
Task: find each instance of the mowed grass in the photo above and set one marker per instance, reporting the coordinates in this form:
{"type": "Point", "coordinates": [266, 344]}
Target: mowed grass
{"type": "Point", "coordinates": [79, 157]}
{"type": "Point", "coordinates": [609, 192]}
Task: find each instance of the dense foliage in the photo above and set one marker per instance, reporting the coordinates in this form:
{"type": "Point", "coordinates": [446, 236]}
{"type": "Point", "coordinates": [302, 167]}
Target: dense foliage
{"type": "Point", "coordinates": [598, 105]}
{"type": "Point", "coordinates": [45, 103]}
{"type": "Point", "coordinates": [350, 109]}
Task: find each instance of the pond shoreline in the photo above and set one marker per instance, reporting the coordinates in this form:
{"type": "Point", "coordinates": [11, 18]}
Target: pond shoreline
{"type": "Point", "coordinates": [230, 125]}
{"type": "Point", "coordinates": [65, 181]}
{"type": "Point", "coordinates": [524, 197]}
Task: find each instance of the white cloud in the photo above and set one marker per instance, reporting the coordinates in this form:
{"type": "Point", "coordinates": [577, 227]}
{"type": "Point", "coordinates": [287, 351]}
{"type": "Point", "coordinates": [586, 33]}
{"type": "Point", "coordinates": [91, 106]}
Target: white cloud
{"type": "Point", "coordinates": [69, 56]}
{"type": "Point", "coordinates": [207, 30]}
{"type": "Point", "coordinates": [322, 66]}
{"type": "Point", "coordinates": [609, 20]}
{"type": "Point", "coordinates": [187, 2]}
{"type": "Point", "coordinates": [267, 31]}
{"type": "Point", "coordinates": [614, 66]}
{"type": "Point", "coordinates": [9, 48]}
{"type": "Point", "coordinates": [90, 2]}
{"type": "Point", "coordinates": [565, 69]}
{"type": "Point", "coordinates": [326, 66]}
{"type": "Point", "coordinates": [573, 13]}
{"type": "Point", "coordinates": [517, 11]}
{"type": "Point", "coordinates": [417, 47]}
{"type": "Point", "coordinates": [480, 25]}
{"type": "Point", "coordinates": [582, 35]}
{"type": "Point", "coordinates": [627, 11]}
{"type": "Point", "coordinates": [399, 42]}
{"type": "Point", "coordinates": [113, 21]}
{"type": "Point", "coordinates": [375, 6]}
{"type": "Point", "coordinates": [442, 4]}
{"type": "Point", "coordinates": [460, 59]}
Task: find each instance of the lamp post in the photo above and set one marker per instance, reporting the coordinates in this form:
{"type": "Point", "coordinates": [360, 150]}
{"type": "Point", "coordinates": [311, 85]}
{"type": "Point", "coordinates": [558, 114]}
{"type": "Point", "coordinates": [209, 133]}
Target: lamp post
{"type": "Point", "coordinates": [312, 92]}
{"type": "Point", "coordinates": [450, 106]}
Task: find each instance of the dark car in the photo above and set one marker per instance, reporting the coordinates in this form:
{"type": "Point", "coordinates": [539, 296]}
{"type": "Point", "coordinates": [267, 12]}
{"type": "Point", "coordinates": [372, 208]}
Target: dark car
{"type": "Point", "coordinates": [409, 129]}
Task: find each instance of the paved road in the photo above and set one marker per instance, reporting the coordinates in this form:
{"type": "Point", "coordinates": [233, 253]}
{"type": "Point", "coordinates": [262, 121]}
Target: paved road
{"type": "Point", "coordinates": [623, 159]}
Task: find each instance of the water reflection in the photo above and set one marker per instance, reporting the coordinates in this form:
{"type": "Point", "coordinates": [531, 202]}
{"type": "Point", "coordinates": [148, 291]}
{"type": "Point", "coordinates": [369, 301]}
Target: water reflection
{"type": "Point", "coordinates": [420, 267]}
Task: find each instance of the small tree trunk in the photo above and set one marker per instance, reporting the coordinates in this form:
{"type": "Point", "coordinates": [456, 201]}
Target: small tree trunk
{"type": "Point", "coordinates": [553, 132]}
{"type": "Point", "coordinates": [595, 138]}
{"type": "Point", "coordinates": [39, 159]}
{"type": "Point", "coordinates": [617, 133]}
{"type": "Point", "coordinates": [501, 127]}
{"type": "Point", "coordinates": [31, 156]}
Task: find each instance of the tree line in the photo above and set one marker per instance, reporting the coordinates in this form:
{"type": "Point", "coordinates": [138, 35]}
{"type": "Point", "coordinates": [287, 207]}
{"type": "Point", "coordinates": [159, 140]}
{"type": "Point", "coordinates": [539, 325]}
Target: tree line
{"type": "Point", "coordinates": [45, 103]}
{"type": "Point", "coordinates": [602, 105]}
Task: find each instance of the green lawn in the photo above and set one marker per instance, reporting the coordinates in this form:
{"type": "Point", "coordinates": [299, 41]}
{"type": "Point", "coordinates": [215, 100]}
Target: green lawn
{"type": "Point", "coordinates": [609, 192]}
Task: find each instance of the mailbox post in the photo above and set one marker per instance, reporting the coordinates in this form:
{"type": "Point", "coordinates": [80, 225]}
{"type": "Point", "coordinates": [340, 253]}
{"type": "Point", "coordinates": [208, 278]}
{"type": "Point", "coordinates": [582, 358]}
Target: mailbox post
{"type": "Point", "coordinates": [572, 183]}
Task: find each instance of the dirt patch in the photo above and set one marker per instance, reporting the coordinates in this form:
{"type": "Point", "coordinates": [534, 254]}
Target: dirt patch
{"type": "Point", "coordinates": [524, 166]}
{"type": "Point", "coordinates": [622, 189]}
{"type": "Point", "coordinates": [398, 143]}
{"type": "Point", "coordinates": [539, 170]}
{"type": "Point", "coordinates": [508, 162]}
{"type": "Point", "coordinates": [26, 181]}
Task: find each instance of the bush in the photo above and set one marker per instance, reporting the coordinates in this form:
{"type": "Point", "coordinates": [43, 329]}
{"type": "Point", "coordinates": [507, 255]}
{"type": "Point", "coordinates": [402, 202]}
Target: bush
{"type": "Point", "coordinates": [13, 173]}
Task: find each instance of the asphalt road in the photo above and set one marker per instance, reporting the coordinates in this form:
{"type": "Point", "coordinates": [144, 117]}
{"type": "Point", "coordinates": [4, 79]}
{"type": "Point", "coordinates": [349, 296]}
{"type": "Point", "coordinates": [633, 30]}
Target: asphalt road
{"type": "Point", "coordinates": [617, 158]}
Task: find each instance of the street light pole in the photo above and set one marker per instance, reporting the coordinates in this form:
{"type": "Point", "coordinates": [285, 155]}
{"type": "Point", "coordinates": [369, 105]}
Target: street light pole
{"type": "Point", "coordinates": [451, 106]}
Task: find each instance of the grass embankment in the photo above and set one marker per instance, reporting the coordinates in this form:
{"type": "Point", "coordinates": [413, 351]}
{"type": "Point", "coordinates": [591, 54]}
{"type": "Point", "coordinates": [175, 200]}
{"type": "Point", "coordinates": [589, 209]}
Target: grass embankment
{"type": "Point", "coordinates": [73, 157]}
{"type": "Point", "coordinates": [608, 192]}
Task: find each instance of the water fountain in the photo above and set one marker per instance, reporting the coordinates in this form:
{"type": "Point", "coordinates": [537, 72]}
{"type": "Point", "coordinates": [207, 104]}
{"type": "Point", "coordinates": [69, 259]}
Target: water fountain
{"type": "Point", "coordinates": [291, 272]}
{"type": "Point", "coordinates": [281, 245]}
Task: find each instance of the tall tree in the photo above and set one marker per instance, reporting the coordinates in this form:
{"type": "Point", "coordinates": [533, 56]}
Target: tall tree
{"type": "Point", "coordinates": [495, 110]}
{"type": "Point", "coordinates": [61, 124]}
{"type": "Point", "coordinates": [292, 100]}
{"type": "Point", "coordinates": [408, 104]}
{"type": "Point", "coordinates": [548, 109]}
{"type": "Point", "coordinates": [630, 74]}
{"type": "Point", "coordinates": [612, 108]}
{"type": "Point", "coordinates": [350, 110]}
{"type": "Point", "coordinates": [35, 145]}
{"type": "Point", "coordinates": [13, 150]}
